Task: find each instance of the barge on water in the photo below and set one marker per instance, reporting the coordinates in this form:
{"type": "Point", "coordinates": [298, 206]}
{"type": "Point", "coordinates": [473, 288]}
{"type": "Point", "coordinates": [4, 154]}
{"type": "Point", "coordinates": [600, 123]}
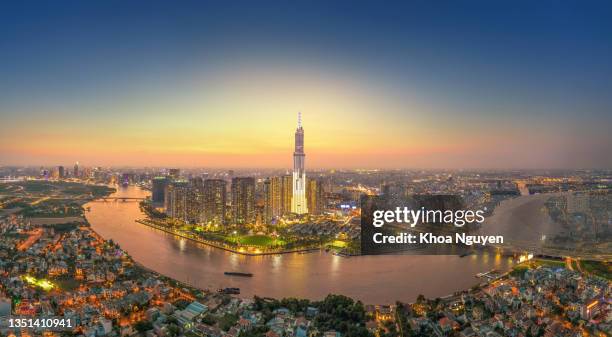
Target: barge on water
{"type": "Point", "coordinates": [235, 273]}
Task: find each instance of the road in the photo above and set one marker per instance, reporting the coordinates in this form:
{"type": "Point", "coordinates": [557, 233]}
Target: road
{"type": "Point", "coordinates": [34, 236]}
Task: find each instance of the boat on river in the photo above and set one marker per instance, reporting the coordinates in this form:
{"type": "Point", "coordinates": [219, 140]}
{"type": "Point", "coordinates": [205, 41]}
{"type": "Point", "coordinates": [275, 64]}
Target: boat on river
{"type": "Point", "coordinates": [229, 291]}
{"type": "Point", "coordinates": [235, 273]}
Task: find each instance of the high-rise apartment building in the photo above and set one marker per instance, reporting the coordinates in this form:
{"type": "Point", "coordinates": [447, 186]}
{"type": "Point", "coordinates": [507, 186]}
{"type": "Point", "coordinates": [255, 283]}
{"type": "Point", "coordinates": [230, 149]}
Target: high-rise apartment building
{"type": "Point", "coordinates": [215, 199]}
{"type": "Point", "coordinates": [195, 201]}
{"type": "Point", "coordinates": [315, 196]}
{"type": "Point", "coordinates": [175, 200]}
{"type": "Point", "coordinates": [243, 200]}
{"type": "Point", "coordinates": [268, 201]}
{"type": "Point", "coordinates": [276, 196]}
{"type": "Point", "coordinates": [158, 189]}
{"type": "Point", "coordinates": [183, 201]}
{"type": "Point", "coordinates": [286, 193]}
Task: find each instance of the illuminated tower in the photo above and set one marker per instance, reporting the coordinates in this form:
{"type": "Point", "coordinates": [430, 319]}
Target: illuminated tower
{"type": "Point", "coordinates": [298, 201]}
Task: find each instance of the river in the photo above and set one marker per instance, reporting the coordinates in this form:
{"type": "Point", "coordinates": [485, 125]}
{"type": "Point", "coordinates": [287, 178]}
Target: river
{"type": "Point", "coordinates": [372, 279]}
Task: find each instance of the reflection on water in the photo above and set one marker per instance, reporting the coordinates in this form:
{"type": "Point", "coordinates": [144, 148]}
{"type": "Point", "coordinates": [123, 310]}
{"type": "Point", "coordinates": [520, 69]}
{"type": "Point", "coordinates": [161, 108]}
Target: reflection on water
{"type": "Point", "coordinates": [372, 279]}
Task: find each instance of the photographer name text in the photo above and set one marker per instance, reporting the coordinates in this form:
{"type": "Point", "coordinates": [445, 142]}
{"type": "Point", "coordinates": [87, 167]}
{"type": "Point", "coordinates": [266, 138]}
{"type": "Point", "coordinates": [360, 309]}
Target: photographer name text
{"type": "Point", "coordinates": [429, 238]}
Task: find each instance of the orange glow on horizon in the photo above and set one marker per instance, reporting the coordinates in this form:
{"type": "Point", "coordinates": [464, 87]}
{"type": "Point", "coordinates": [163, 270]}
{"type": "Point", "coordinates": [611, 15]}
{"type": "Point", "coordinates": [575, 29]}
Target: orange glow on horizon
{"type": "Point", "coordinates": [225, 121]}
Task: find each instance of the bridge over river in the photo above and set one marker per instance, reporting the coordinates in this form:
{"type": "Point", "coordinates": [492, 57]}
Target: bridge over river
{"type": "Point", "coordinates": [380, 279]}
{"type": "Point", "coordinates": [122, 199]}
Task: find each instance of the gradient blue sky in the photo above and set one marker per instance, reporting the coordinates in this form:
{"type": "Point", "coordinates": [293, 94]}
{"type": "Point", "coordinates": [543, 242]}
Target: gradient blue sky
{"type": "Point", "coordinates": [475, 84]}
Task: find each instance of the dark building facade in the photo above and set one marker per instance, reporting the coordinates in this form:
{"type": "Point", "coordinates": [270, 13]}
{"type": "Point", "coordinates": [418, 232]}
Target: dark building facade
{"type": "Point", "coordinates": [158, 189]}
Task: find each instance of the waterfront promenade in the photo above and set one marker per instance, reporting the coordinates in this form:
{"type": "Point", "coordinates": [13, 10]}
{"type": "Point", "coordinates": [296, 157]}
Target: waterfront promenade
{"type": "Point", "coordinates": [243, 250]}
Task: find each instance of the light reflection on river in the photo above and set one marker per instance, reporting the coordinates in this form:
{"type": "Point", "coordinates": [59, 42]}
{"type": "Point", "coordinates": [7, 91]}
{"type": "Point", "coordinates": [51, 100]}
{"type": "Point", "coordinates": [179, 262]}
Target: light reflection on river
{"type": "Point", "coordinates": [372, 279]}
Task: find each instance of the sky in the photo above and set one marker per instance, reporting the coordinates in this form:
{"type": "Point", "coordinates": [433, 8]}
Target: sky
{"type": "Point", "coordinates": [448, 84]}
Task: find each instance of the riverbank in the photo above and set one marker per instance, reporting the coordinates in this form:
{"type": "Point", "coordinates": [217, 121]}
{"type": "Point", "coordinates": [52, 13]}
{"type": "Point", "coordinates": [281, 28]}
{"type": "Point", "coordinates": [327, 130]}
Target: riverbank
{"type": "Point", "coordinates": [194, 291]}
{"type": "Point", "coordinates": [220, 246]}
{"type": "Point", "coordinates": [312, 275]}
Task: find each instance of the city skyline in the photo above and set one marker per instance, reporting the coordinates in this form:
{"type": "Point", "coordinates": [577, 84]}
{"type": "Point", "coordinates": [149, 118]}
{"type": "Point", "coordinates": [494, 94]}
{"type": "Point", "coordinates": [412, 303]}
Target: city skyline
{"type": "Point", "coordinates": [395, 86]}
{"type": "Point", "coordinates": [449, 172]}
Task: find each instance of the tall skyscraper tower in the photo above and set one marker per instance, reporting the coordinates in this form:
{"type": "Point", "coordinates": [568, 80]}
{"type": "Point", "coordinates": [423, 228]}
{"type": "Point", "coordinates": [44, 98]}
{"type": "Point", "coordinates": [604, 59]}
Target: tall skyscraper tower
{"type": "Point", "coordinates": [298, 201]}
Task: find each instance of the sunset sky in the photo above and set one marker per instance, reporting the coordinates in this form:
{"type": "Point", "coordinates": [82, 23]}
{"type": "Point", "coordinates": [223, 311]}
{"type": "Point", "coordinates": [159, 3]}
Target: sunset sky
{"type": "Point", "coordinates": [190, 84]}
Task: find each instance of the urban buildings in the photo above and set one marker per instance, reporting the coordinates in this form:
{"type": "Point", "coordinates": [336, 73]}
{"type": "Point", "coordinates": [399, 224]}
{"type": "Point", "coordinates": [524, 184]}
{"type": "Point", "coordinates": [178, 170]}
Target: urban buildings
{"type": "Point", "coordinates": [286, 193]}
{"type": "Point", "coordinates": [298, 201]}
{"type": "Point", "coordinates": [243, 200]}
{"type": "Point", "coordinates": [174, 173]}
{"type": "Point", "coordinates": [315, 196]}
{"type": "Point", "coordinates": [158, 188]}
{"type": "Point", "coordinates": [268, 196]}
{"type": "Point", "coordinates": [195, 200]}
{"type": "Point", "coordinates": [175, 200]}
{"type": "Point", "coordinates": [278, 193]}
{"type": "Point", "coordinates": [215, 199]}
{"type": "Point", "coordinates": [206, 200]}
{"type": "Point", "coordinates": [276, 196]}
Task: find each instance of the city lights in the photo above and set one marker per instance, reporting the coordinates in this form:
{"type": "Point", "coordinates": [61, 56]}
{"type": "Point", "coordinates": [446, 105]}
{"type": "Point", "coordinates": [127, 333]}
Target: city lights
{"type": "Point", "coordinates": [41, 283]}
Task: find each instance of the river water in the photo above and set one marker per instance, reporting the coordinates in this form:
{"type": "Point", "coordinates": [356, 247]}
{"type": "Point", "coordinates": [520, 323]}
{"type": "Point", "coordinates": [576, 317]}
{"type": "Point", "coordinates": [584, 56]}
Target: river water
{"type": "Point", "coordinates": [372, 279]}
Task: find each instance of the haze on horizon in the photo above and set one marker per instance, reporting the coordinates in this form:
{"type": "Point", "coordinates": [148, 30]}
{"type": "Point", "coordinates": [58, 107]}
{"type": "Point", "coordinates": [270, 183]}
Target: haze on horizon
{"type": "Point", "coordinates": [476, 85]}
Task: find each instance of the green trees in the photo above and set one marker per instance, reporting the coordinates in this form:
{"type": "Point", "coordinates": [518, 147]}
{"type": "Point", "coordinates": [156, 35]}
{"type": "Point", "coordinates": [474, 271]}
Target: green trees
{"type": "Point", "coordinates": [173, 330]}
{"type": "Point", "coordinates": [258, 331]}
{"type": "Point", "coordinates": [143, 326]}
{"type": "Point", "coordinates": [343, 314]}
{"type": "Point", "coordinates": [336, 312]}
{"type": "Point", "coordinates": [227, 321]}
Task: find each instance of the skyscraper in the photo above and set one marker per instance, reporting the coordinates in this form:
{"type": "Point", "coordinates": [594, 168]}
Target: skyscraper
{"type": "Point", "coordinates": [298, 201]}
{"type": "Point", "coordinates": [175, 200]}
{"type": "Point", "coordinates": [276, 191]}
{"type": "Point", "coordinates": [60, 172]}
{"type": "Point", "coordinates": [268, 198]}
{"type": "Point", "coordinates": [215, 198]}
{"type": "Point", "coordinates": [75, 172]}
{"type": "Point", "coordinates": [243, 200]}
{"type": "Point", "coordinates": [286, 194]}
{"type": "Point", "coordinates": [195, 200]}
{"type": "Point", "coordinates": [315, 196]}
{"type": "Point", "coordinates": [158, 189]}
